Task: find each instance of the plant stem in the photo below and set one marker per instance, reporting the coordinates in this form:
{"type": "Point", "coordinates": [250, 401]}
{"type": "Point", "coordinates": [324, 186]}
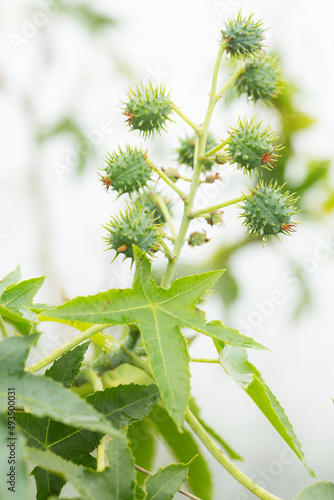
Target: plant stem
{"type": "Point", "coordinates": [183, 492]}
{"type": "Point", "coordinates": [197, 129]}
{"type": "Point", "coordinates": [208, 442]}
{"type": "Point", "coordinates": [239, 71]}
{"type": "Point", "coordinates": [97, 386]}
{"type": "Point", "coordinates": [167, 180]}
{"type": "Point", "coordinates": [3, 328]}
{"type": "Point", "coordinates": [165, 212]}
{"type": "Point", "coordinates": [226, 462]}
{"type": "Point", "coordinates": [213, 208]}
{"type": "Point", "coordinates": [66, 347]}
{"type": "Point", "coordinates": [215, 150]}
{"type": "Point", "coordinates": [204, 360]}
{"type": "Point", "coordinates": [200, 146]}
{"type": "Point", "coordinates": [167, 250]}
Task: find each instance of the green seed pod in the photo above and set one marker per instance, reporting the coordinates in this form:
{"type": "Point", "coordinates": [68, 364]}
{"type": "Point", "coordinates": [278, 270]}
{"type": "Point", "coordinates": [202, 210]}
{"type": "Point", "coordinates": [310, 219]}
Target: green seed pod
{"type": "Point", "coordinates": [126, 171]}
{"type": "Point", "coordinates": [197, 239]}
{"type": "Point", "coordinates": [150, 205]}
{"type": "Point", "coordinates": [262, 79]}
{"type": "Point", "coordinates": [147, 109]}
{"type": "Point", "coordinates": [214, 218]}
{"type": "Point", "coordinates": [133, 227]}
{"type": "Point", "coordinates": [243, 36]}
{"type": "Point", "coordinates": [250, 147]}
{"type": "Point", "coordinates": [186, 151]}
{"type": "Point", "coordinates": [268, 212]}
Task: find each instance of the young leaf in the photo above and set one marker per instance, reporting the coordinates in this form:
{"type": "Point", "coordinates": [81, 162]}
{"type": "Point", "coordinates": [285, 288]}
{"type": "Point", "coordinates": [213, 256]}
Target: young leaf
{"type": "Point", "coordinates": [40, 395]}
{"type": "Point", "coordinates": [21, 294]}
{"type": "Point", "coordinates": [165, 483]}
{"type": "Point", "coordinates": [12, 277]}
{"type": "Point", "coordinates": [160, 314]}
{"type": "Point", "coordinates": [16, 302]}
{"type": "Point", "coordinates": [317, 491]}
{"type": "Point", "coordinates": [125, 404]}
{"type": "Point", "coordinates": [184, 448]}
{"type": "Point", "coordinates": [19, 488]}
{"type": "Point", "coordinates": [66, 368]}
{"type": "Point", "coordinates": [116, 482]}
{"type": "Point", "coordinates": [236, 364]}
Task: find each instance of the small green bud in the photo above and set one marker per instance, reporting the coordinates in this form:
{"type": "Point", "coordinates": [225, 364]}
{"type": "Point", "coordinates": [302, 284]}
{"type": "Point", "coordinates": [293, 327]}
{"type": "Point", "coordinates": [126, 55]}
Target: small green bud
{"type": "Point", "coordinates": [133, 227]}
{"type": "Point", "coordinates": [243, 36]}
{"type": "Point", "coordinates": [197, 239]}
{"type": "Point", "coordinates": [210, 179]}
{"type": "Point", "coordinates": [186, 151]}
{"type": "Point", "coordinates": [268, 212]}
{"type": "Point", "coordinates": [214, 218]}
{"type": "Point", "coordinates": [250, 147]}
{"type": "Point", "coordinates": [126, 171]}
{"type": "Point", "coordinates": [148, 109]}
{"type": "Point", "coordinates": [171, 173]}
{"type": "Point", "coordinates": [262, 79]}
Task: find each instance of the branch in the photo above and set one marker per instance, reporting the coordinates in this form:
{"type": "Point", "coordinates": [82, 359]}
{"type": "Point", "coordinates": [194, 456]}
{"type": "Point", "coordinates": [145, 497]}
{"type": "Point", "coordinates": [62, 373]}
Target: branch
{"type": "Point", "coordinates": [197, 129]}
{"type": "Point", "coordinates": [163, 176]}
{"type": "Point", "coordinates": [213, 208]}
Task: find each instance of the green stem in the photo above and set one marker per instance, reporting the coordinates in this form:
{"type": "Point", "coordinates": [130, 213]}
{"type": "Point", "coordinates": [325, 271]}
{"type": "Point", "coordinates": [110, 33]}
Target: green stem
{"type": "Point", "coordinates": [215, 150]}
{"type": "Point", "coordinates": [208, 442]}
{"type": "Point", "coordinates": [163, 176]}
{"type": "Point", "coordinates": [165, 212]}
{"type": "Point", "coordinates": [197, 129]}
{"type": "Point", "coordinates": [97, 386]}
{"type": "Point", "coordinates": [66, 347]}
{"type": "Point", "coordinates": [226, 462]}
{"type": "Point", "coordinates": [167, 250]}
{"type": "Point", "coordinates": [239, 71]}
{"type": "Point", "coordinates": [204, 360]}
{"type": "Point", "coordinates": [200, 146]}
{"type": "Point", "coordinates": [213, 208]}
{"type": "Point", "coordinates": [3, 328]}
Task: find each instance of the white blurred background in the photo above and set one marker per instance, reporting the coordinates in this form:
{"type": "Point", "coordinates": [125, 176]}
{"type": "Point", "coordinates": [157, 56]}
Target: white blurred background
{"type": "Point", "coordinates": [61, 80]}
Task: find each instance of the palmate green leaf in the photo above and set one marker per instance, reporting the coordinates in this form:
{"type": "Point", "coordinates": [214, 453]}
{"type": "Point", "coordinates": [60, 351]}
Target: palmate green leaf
{"type": "Point", "coordinates": [21, 488]}
{"type": "Point", "coordinates": [12, 277]}
{"type": "Point", "coordinates": [116, 482]}
{"type": "Point", "coordinates": [317, 491]}
{"type": "Point", "coordinates": [184, 448]}
{"type": "Point", "coordinates": [41, 395]}
{"type": "Point", "coordinates": [165, 483]}
{"type": "Point", "coordinates": [160, 314]}
{"type": "Point", "coordinates": [16, 302]}
{"type": "Point", "coordinates": [68, 442]}
{"type": "Point", "coordinates": [236, 364]}
{"type": "Point", "coordinates": [125, 404]}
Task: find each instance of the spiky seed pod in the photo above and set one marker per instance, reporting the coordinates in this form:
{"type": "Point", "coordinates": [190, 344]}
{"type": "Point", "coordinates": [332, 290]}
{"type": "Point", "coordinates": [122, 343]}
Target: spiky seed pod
{"type": "Point", "coordinates": [214, 218]}
{"type": "Point", "coordinates": [262, 79]}
{"type": "Point", "coordinates": [133, 227]}
{"type": "Point", "coordinates": [185, 153]}
{"type": "Point", "coordinates": [243, 36]}
{"type": "Point", "coordinates": [197, 239]}
{"type": "Point", "coordinates": [150, 206]}
{"type": "Point", "coordinates": [147, 109]}
{"type": "Point", "coordinates": [268, 212]}
{"type": "Point", "coordinates": [250, 147]}
{"type": "Point", "coordinates": [126, 171]}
